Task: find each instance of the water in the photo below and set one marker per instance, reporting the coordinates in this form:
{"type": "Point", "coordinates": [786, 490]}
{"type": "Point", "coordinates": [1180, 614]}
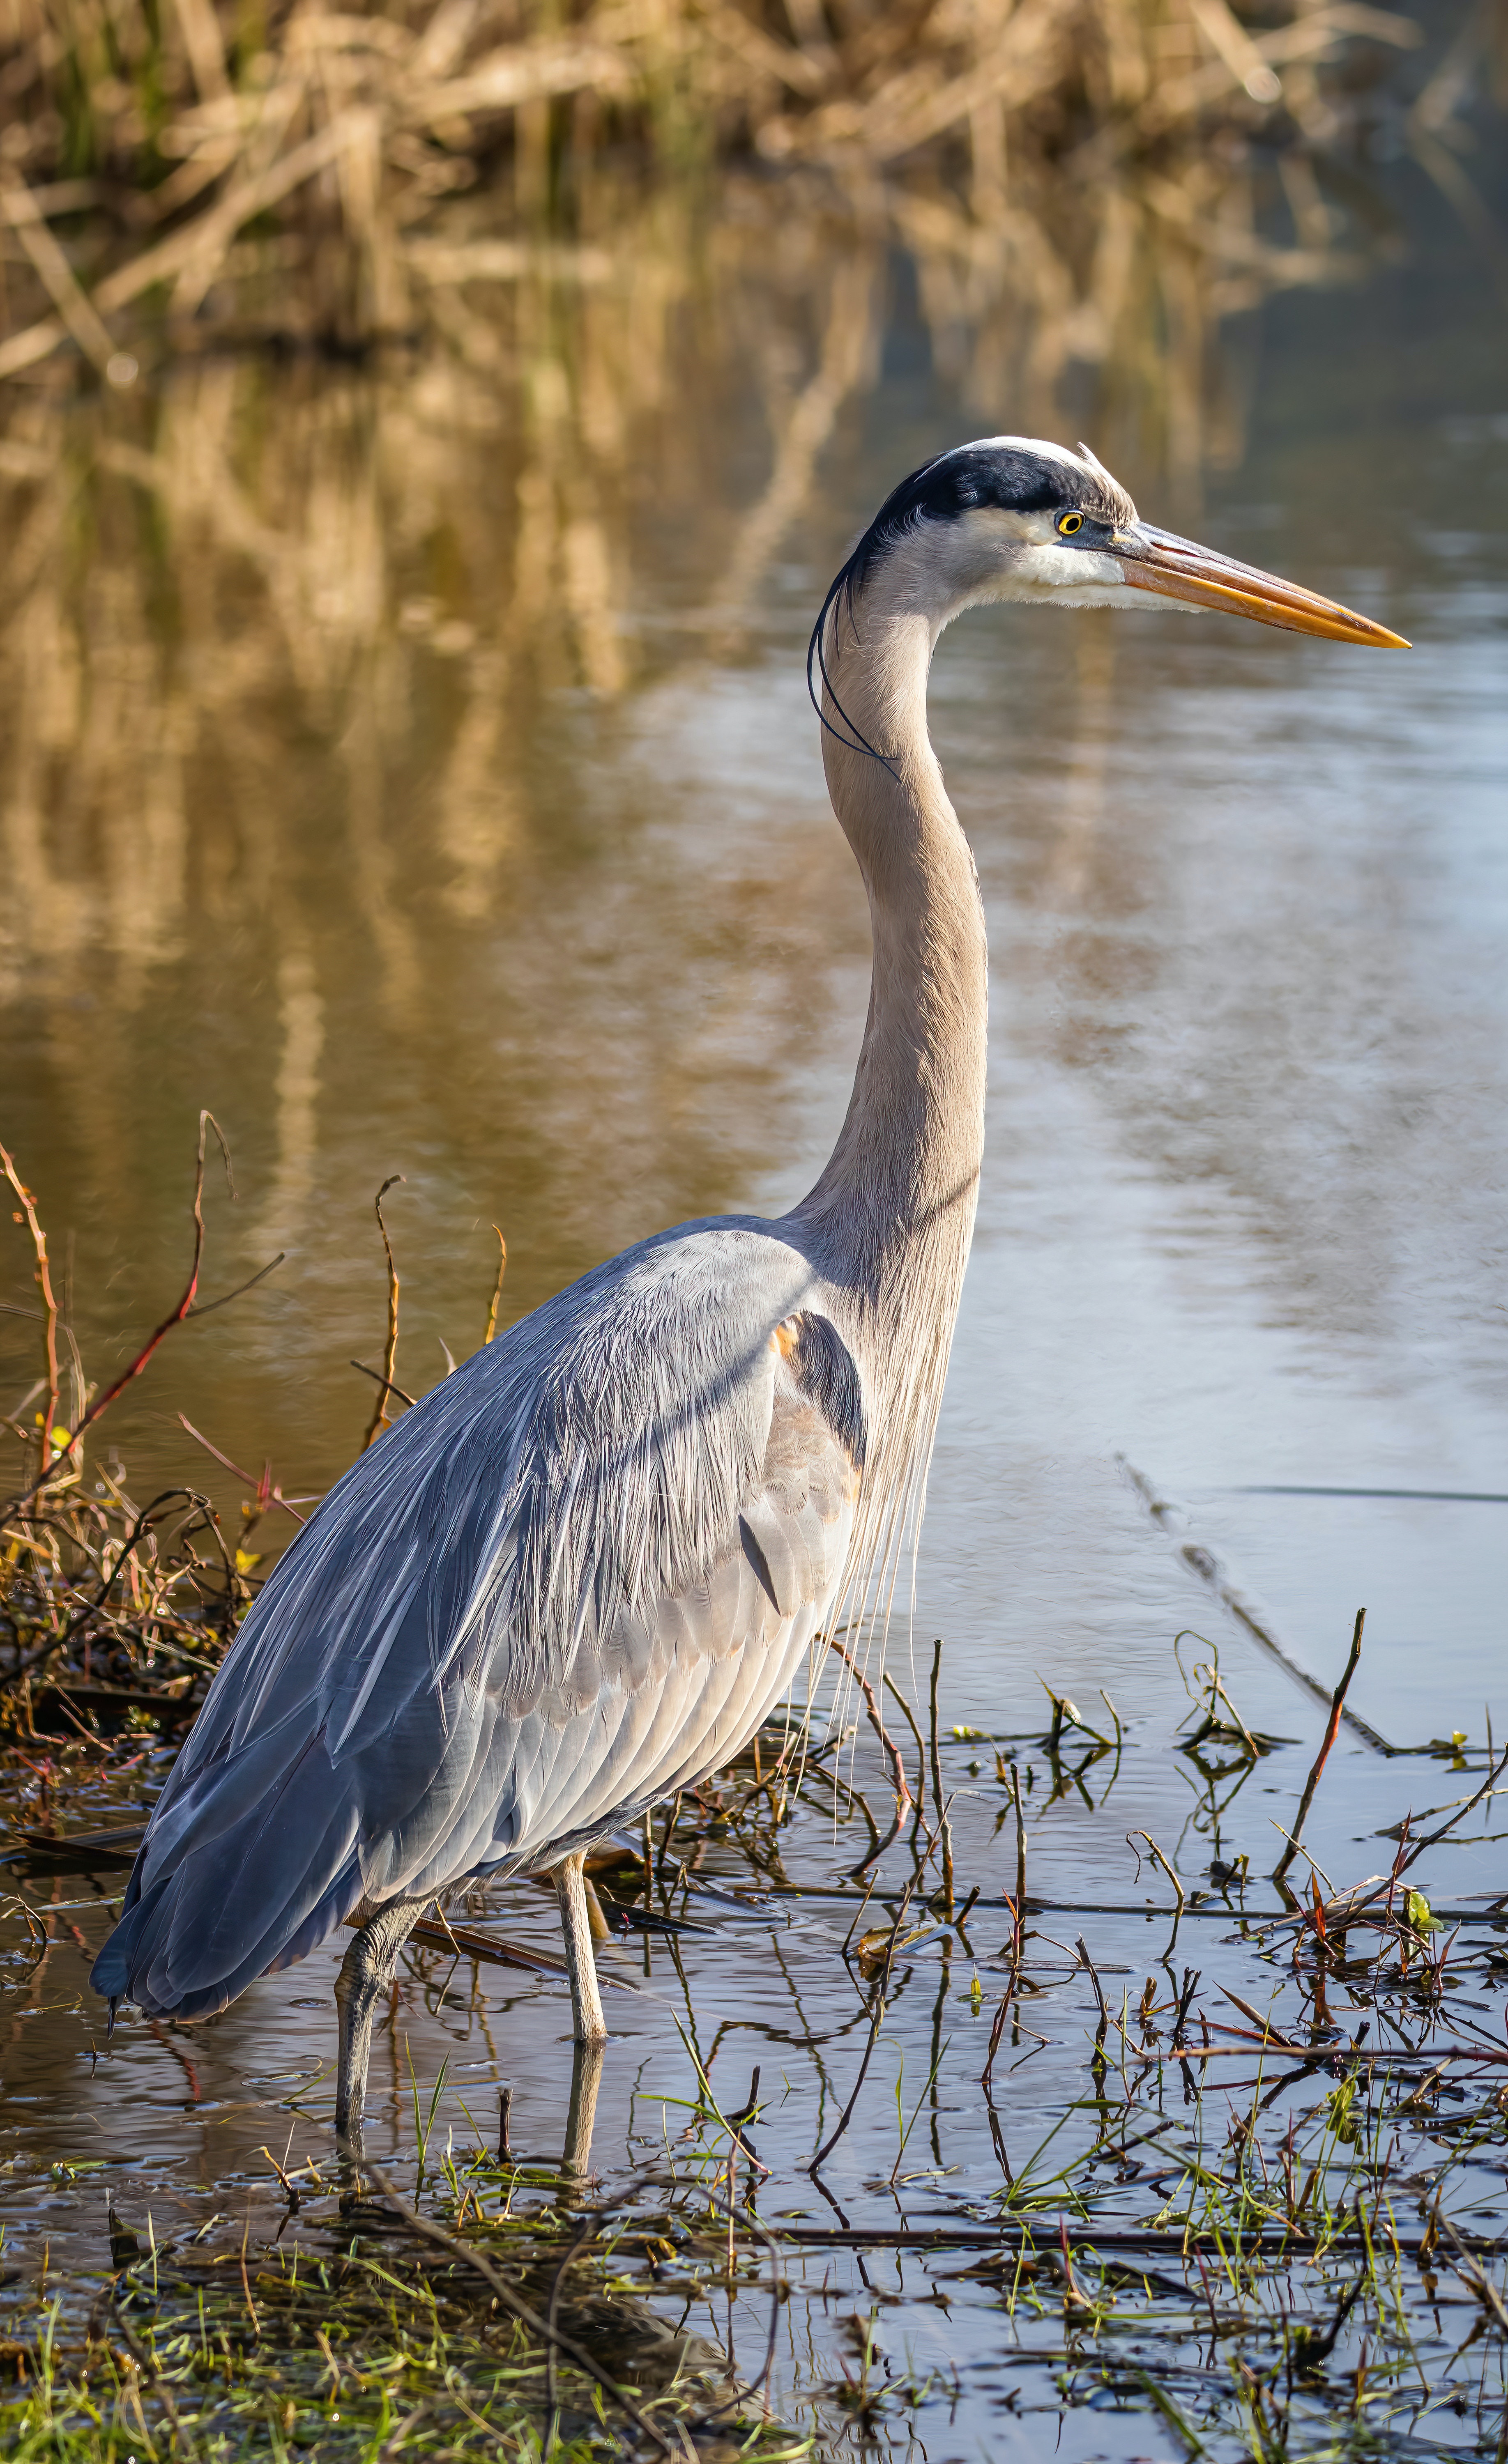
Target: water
{"type": "Point", "coordinates": [415, 767]}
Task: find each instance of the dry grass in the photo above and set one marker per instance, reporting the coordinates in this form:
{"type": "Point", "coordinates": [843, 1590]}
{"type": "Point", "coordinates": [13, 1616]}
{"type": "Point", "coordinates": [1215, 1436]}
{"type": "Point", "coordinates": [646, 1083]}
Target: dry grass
{"type": "Point", "coordinates": [193, 153]}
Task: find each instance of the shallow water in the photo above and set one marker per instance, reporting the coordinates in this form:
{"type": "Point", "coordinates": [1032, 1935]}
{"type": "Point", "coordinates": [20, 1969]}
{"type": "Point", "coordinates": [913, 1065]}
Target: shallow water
{"type": "Point", "coordinates": [384, 781]}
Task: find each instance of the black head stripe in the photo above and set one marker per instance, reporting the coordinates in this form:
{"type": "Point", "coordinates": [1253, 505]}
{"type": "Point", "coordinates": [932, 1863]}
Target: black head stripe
{"type": "Point", "coordinates": [1011, 477]}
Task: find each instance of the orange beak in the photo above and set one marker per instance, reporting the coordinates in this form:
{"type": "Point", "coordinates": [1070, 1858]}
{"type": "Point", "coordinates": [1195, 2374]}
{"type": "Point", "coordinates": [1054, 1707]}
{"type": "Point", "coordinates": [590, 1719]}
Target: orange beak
{"type": "Point", "coordinates": [1175, 568]}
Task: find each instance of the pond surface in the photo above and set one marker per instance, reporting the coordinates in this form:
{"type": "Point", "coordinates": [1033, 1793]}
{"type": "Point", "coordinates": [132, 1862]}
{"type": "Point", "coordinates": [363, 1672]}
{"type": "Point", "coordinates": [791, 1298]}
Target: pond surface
{"type": "Point", "coordinates": [415, 767]}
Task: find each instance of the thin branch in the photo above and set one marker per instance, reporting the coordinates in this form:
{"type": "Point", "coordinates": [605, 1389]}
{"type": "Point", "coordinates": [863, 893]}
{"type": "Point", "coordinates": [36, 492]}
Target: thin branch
{"type": "Point", "coordinates": [876, 2023]}
{"type": "Point", "coordinates": [273, 1492]}
{"type": "Point", "coordinates": [1432, 1839]}
{"type": "Point", "coordinates": [496, 1289]}
{"type": "Point", "coordinates": [48, 1650]}
{"type": "Point", "coordinates": [175, 1317]}
{"type": "Point", "coordinates": [910, 1719]}
{"type": "Point", "coordinates": [1332, 1729]}
{"type": "Point", "coordinates": [207, 1308]}
{"type": "Point", "coordinates": [876, 1722]}
{"type": "Point", "coordinates": [379, 1418]}
{"type": "Point", "coordinates": [387, 1384]}
{"type": "Point", "coordinates": [44, 1278]}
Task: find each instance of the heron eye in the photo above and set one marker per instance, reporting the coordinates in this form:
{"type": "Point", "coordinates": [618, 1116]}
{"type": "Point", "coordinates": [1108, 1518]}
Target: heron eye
{"type": "Point", "coordinates": [1069, 523]}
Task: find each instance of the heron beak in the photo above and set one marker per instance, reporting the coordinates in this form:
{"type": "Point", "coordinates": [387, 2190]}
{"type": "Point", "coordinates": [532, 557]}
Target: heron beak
{"type": "Point", "coordinates": [1175, 568]}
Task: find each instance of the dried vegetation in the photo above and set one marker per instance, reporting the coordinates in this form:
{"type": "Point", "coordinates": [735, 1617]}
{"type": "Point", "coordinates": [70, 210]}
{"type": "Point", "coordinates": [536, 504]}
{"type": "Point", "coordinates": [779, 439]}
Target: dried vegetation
{"type": "Point", "coordinates": [345, 175]}
{"type": "Point", "coordinates": [1260, 2218]}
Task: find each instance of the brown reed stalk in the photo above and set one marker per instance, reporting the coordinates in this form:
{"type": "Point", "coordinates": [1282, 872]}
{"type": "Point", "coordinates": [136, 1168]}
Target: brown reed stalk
{"type": "Point", "coordinates": [44, 1280]}
{"type": "Point", "coordinates": [1331, 1732]}
{"type": "Point", "coordinates": [910, 1718]}
{"type": "Point", "coordinates": [184, 1308]}
{"type": "Point", "coordinates": [888, 1745]}
{"type": "Point", "coordinates": [496, 1289]}
{"type": "Point", "coordinates": [386, 1387]}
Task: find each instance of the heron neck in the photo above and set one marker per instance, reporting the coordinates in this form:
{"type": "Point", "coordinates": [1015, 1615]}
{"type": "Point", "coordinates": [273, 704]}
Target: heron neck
{"type": "Point", "coordinates": [890, 1221]}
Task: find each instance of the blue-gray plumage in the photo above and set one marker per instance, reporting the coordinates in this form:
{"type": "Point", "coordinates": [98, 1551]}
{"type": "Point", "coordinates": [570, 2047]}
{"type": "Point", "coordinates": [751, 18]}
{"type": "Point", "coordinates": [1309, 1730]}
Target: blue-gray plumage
{"type": "Point", "coordinates": [578, 1574]}
{"type": "Point", "coordinates": [530, 1615]}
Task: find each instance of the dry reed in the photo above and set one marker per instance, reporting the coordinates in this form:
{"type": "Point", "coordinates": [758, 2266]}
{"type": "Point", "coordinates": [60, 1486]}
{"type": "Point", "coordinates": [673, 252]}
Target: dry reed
{"type": "Point", "coordinates": [301, 166]}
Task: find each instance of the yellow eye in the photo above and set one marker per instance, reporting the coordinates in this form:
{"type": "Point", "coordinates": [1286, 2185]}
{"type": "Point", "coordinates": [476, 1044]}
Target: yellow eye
{"type": "Point", "coordinates": [1069, 523]}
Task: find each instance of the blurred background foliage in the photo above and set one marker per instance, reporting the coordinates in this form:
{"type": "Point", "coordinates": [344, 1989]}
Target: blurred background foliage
{"type": "Point", "coordinates": [354, 175]}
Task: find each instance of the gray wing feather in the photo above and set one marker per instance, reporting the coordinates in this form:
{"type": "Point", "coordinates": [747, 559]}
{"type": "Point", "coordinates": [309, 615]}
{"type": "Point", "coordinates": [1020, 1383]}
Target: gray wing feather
{"type": "Point", "coordinates": [524, 1615]}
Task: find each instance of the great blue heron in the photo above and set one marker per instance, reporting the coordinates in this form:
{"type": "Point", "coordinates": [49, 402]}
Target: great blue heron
{"type": "Point", "coordinates": [578, 1574]}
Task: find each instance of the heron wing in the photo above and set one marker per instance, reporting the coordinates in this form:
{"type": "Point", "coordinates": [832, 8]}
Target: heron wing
{"type": "Point", "coordinates": [573, 1578]}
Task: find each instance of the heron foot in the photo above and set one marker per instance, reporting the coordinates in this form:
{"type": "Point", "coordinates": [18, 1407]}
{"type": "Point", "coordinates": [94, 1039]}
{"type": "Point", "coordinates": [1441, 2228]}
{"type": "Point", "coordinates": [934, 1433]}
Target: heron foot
{"type": "Point", "coordinates": [366, 1974]}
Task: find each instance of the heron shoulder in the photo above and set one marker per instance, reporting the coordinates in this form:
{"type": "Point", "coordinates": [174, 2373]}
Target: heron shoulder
{"type": "Point", "coordinates": [589, 1463]}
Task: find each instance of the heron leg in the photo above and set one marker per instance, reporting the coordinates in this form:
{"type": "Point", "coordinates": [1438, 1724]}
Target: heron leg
{"type": "Point", "coordinates": [586, 2000]}
{"type": "Point", "coordinates": [366, 1974]}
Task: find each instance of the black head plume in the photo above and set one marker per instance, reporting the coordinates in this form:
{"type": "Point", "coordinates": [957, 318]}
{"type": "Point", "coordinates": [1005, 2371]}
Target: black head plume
{"type": "Point", "coordinates": [1002, 474]}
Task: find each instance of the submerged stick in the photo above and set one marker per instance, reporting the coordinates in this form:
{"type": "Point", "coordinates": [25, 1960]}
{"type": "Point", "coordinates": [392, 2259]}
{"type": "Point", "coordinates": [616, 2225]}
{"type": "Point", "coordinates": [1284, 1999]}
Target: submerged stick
{"type": "Point", "coordinates": [1202, 1562]}
{"type": "Point", "coordinates": [1332, 1728]}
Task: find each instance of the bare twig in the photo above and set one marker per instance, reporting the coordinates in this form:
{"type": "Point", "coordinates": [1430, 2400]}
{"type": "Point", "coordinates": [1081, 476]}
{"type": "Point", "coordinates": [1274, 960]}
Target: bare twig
{"type": "Point", "coordinates": [1433, 1838]}
{"type": "Point", "coordinates": [910, 1718]}
{"type": "Point", "coordinates": [1158, 1858]}
{"type": "Point", "coordinates": [275, 1495]}
{"type": "Point", "coordinates": [944, 1828]}
{"type": "Point", "coordinates": [496, 1289]}
{"type": "Point", "coordinates": [175, 1316]}
{"type": "Point", "coordinates": [1332, 1728]}
{"type": "Point", "coordinates": [888, 1745]}
{"type": "Point", "coordinates": [44, 1279]}
{"type": "Point", "coordinates": [379, 1418]}
{"type": "Point", "coordinates": [875, 2022]}
{"type": "Point", "coordinates": [387, 1385]}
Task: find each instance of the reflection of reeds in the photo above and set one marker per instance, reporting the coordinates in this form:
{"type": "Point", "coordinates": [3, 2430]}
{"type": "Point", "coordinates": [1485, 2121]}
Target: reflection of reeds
{"type": "Point", "coordinates": [472, 511]}
{"type": "Point", "coordinates": [342, 139]}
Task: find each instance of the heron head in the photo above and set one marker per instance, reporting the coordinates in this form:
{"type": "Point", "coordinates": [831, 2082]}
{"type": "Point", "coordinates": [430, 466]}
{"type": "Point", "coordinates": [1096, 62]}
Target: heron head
{"type": "Point", "coordinates": [1012, 518]}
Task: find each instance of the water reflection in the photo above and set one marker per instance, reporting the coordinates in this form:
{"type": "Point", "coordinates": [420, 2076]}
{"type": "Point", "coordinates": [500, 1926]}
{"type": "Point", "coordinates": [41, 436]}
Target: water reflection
{"type": "Point", "coordinates": [412, 763]}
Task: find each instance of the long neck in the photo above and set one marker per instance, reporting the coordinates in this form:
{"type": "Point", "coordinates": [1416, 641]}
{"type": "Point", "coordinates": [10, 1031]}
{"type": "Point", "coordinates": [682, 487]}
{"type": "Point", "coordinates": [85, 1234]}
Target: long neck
{"type": "Point", "coordinates": [890, 1221]}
